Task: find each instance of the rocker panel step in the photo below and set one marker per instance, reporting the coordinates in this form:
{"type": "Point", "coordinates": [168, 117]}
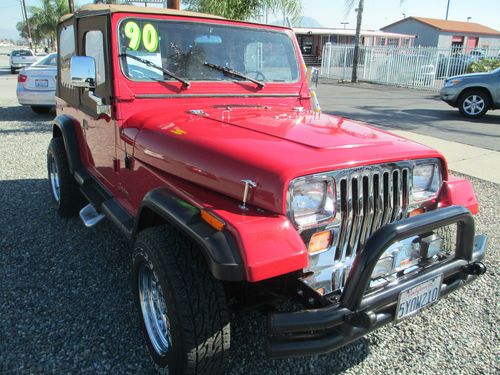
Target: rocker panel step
{"type": "Point", "coordinates": [90, 216]}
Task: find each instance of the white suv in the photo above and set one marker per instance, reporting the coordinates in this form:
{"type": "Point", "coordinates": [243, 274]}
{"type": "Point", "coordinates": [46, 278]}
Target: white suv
{"type": "Point", "coordinates": [19, 58]}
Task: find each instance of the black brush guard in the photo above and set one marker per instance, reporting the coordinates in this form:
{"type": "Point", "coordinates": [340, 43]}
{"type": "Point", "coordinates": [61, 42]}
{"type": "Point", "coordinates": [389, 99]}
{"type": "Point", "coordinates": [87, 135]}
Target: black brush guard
{"type": "Point", "coordinates": [326, 329]}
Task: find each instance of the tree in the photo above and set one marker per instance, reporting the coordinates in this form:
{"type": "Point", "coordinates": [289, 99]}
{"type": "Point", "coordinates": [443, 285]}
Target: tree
{"type": "Point", "coordinates": [43, 20]}
{"type": "Point", "coordinates": [245, 9]}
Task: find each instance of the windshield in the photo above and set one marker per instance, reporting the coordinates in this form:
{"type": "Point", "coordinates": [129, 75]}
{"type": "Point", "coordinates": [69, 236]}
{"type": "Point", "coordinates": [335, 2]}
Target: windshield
{"type": "Point", "coordinates": [48, 60]}
{"type": "Point", "coordinates": [23, 52]}
{"type": "Point", "coordinates": [184, 48]}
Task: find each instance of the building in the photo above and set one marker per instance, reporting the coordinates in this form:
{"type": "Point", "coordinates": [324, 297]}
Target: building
{"type": "Point", "coordinates": [432, 32]}
{"type": "Point", "coordinates": [312, 40]}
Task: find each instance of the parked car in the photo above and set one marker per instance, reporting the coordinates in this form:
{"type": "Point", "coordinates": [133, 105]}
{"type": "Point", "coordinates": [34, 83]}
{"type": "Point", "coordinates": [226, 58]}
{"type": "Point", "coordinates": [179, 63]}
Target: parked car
{"type": "Point", "coordinates": [457, 63]}
{"type": "Point", "coordinates": [36, 84]}
{"type": "Point", "coordinates": [197, 138]}
{"type": "Point", "coordinates": [20, 58]}
{"type": "Point", "coordinates": [474, 94]}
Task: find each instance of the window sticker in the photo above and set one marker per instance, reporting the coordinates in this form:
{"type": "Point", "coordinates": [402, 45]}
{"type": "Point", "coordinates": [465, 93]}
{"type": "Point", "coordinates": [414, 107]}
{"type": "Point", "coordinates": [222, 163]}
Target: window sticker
{"type": "Point", "coordinates": [148, 35]}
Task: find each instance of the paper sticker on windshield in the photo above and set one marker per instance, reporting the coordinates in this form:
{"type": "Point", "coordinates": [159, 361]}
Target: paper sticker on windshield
{"type": "Point", "coordinates": [133, 33]}
{"type": "Point", "coordinates": [148, 36]}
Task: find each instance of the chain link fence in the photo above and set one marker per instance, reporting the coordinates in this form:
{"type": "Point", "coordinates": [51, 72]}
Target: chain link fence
{"type": "Point", "coordinates": [425, 67]}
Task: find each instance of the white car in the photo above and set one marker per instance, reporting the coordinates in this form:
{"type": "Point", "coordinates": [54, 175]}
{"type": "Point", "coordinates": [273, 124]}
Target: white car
{"type": "Point", "coordinates": [36, 84]}
{"type": "Point", "coordinates": [20, 58]}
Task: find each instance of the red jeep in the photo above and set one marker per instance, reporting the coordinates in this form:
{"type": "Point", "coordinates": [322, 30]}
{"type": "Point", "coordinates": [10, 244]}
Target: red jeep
{"type": "Point", "coordinates": [195, 135]}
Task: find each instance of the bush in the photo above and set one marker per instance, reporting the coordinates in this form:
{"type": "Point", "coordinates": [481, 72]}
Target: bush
{"type": "Point", "coordinates": [484, 65]}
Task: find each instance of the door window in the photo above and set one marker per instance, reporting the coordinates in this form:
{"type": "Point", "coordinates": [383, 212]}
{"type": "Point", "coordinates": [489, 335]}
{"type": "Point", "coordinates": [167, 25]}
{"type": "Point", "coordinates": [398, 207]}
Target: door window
{"type": "Point", "coordinates": [94, 46]}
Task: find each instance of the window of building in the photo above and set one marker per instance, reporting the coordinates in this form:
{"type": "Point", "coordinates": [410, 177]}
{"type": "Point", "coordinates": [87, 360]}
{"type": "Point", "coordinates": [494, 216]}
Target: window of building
{"type": "Point", "coordinates": [393, 42]}
{"type": "Point", "coordinates": [381, 42]}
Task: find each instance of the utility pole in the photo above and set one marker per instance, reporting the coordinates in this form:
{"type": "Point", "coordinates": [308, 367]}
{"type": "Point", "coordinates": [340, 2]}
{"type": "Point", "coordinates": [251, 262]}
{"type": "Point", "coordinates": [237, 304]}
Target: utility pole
{"type": "Point", "coordinates": [173, 4]}
{"type": "Point", "coordinates": [25, 14]}
{"type": "Point", "coordinates": [71, 5]}
{"type": "Point", "coordinates": [447, 9]}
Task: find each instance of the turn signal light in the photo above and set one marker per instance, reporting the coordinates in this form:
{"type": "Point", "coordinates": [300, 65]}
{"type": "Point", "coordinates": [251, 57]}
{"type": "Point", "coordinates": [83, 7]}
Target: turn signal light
{"type": "Point", "coordinates": [22, 78]}
{"type": "Point", "coordinates": [212, 220]}
{"type": "Point", "coordinates": [320, 241]}
{"type": "Point", "coordinates": [416, 211]}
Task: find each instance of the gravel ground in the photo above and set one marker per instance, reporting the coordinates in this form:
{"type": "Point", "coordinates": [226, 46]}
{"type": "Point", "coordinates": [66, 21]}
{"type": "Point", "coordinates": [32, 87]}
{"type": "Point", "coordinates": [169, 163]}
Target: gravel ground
{"type": "Point", "coordinates": [66, 301]}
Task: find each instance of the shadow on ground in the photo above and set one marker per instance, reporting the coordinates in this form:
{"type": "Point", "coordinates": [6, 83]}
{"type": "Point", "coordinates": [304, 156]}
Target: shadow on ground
{"type": "Point", "coordinates": [20, 119]}
{"type": "Point", "coordinates": [67, 301]}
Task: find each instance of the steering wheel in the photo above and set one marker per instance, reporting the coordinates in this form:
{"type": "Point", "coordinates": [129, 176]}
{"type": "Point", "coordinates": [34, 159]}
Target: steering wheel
{"type": "Point", "coordinates": [258, 74]}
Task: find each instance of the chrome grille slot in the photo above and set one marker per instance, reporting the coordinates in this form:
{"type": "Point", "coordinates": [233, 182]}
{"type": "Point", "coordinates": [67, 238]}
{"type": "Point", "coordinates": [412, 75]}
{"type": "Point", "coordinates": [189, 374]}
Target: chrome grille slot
{"type": "Point", "coordinates": [369, 198]}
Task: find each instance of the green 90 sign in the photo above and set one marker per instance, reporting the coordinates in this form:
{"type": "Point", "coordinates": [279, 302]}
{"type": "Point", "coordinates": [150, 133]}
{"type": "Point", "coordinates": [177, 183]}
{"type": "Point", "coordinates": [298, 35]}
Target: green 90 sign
{"type": "Point", "coordinates": [148, 36]}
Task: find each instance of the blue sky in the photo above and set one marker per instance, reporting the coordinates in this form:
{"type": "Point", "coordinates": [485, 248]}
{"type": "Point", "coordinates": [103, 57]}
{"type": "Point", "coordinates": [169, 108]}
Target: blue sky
{"type": "Point", "coordinates": [330, 13]}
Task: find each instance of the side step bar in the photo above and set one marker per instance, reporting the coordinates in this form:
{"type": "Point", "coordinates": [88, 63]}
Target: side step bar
{"type": "Point", "coordinates": [90, 216]}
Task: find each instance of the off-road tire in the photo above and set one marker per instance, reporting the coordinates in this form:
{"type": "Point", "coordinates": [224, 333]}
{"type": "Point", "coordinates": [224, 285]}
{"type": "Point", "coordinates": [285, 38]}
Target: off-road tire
{"type": "Point", "coordinates": [468, 94]}
{"type": "Point", "coordinates": [40, 109]}
{"type": "Point", "coordinates": [195, 302]}
{"type": "Point", "coordinates": [71, 199]}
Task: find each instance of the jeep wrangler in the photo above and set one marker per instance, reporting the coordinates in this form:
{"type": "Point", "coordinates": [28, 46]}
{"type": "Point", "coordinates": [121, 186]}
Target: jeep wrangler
{"type": "Point", "coordinates": [197, 137]}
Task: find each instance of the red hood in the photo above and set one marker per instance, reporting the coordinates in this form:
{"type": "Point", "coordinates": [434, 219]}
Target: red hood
{"type": "Point", "coordinates": [217, 147]}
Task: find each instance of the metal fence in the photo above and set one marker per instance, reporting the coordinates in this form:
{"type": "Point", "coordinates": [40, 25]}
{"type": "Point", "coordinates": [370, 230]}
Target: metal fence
{"type": "Point", "coordinates": [424, 68]}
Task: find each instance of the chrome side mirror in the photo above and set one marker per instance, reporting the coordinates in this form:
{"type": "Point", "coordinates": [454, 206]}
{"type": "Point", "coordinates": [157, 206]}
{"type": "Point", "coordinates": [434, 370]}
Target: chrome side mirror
{"type": "Point", "coordinates": [82, 72]}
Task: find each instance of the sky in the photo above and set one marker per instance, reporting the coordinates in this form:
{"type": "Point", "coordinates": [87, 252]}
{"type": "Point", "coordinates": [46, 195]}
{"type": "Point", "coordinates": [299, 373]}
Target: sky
{"type": "Point", "coordinates": [330, 13]}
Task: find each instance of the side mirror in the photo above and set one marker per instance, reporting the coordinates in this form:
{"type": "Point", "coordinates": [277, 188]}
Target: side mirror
{"type": "Point", "coordinates": [82, 72]}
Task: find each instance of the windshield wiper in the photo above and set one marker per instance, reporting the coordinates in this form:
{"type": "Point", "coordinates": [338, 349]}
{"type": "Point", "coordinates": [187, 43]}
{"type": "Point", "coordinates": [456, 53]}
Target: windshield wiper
{"type": "Point", "coordinates": [234, 73]}
{"type": "Point", "coordinates": [153, 65]}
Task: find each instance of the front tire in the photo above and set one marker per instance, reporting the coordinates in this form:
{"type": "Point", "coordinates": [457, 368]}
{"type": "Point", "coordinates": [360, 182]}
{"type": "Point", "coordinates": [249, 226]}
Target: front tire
{"type": "Point", "coordinates": [66, 196]}
{"type": "Point", "coordinates": [473, 104]}
{"type": "Point", "coordinates": [12, 70]}
{"type": "Point", "coordinates": [183, 310]}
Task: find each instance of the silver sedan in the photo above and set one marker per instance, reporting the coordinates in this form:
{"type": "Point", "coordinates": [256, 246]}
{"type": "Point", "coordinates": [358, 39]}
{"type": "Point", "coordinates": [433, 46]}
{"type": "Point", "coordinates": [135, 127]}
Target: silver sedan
{"type": "Point", "coordinates": [474, 94]}
{"type": "Point", "coordinates": [36, 84]}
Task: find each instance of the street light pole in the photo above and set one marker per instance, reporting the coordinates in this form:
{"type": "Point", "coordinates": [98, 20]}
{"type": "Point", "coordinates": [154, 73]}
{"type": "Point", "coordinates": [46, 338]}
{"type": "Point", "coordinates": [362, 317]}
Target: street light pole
{"type": "Point", "coordinates": [447, 9]}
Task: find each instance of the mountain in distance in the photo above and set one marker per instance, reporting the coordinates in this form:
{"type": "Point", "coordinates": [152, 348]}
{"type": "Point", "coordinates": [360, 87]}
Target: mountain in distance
{"type": "Point", "coordinates": [301, 22]}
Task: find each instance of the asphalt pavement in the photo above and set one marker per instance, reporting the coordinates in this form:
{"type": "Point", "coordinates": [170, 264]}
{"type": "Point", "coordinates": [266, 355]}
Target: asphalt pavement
{"type": "Point", "coordinates": [66, 301]}
{"type": "Point", "coordinates": [415, 111]}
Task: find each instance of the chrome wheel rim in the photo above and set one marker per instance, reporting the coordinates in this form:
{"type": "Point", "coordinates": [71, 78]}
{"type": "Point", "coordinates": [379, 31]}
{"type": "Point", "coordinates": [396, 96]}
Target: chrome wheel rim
{"type": "Point", "coordinates": [473, 105]}
{"type": "Point", "coordinates": [54, 179]}
{"type": "Point", "coordinates": [154, 310]}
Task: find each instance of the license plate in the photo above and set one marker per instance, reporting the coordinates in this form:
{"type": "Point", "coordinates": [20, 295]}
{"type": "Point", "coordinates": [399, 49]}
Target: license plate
{"type": "Point", "coordinates": [415, 298]}
{"type": "Point", "coordinates": [41, 83]}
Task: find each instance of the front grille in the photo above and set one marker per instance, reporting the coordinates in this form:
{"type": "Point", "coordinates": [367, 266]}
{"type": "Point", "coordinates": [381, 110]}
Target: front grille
{"type": "Point", "coordinates": [368, 198]}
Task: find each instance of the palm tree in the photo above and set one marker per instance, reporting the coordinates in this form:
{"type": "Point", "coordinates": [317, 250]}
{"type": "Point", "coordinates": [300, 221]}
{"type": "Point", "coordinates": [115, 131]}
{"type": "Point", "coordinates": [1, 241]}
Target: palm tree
{"type": "Point", "coordinates": [46, 17]}
{"type": "Point", "coordinates": [245, 9]}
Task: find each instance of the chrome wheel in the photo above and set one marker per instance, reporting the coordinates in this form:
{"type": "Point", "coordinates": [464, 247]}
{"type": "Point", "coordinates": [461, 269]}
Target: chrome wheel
{"type": "Point", "coordinates": [54, 179]}
{"type": "Point", "coordinates": [154, 310]}
{"type": "Point", "coordinates": [473, 105]}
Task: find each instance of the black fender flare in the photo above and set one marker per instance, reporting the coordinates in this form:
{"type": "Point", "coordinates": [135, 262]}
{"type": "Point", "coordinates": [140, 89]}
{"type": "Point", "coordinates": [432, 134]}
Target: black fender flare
{"type": "Point", "coordinates": [219, 248]}
{"type": "Point", "coordinates": [64, 126]}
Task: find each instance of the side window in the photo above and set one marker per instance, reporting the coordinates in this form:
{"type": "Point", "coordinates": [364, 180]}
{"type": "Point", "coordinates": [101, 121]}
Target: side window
{"type": "Point", "coordinates": [94, 46]}
{"type": "Point", "coordinates": [66, 50]}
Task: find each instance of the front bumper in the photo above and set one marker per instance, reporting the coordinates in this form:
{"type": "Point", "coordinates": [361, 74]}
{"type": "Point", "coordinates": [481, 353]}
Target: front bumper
{"type": "Point", "coordinates": [35, 97]}
{"type": "Point", "coordinates": [326, 329]}
{"type": "Point", "coordinates": [449, 95]}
